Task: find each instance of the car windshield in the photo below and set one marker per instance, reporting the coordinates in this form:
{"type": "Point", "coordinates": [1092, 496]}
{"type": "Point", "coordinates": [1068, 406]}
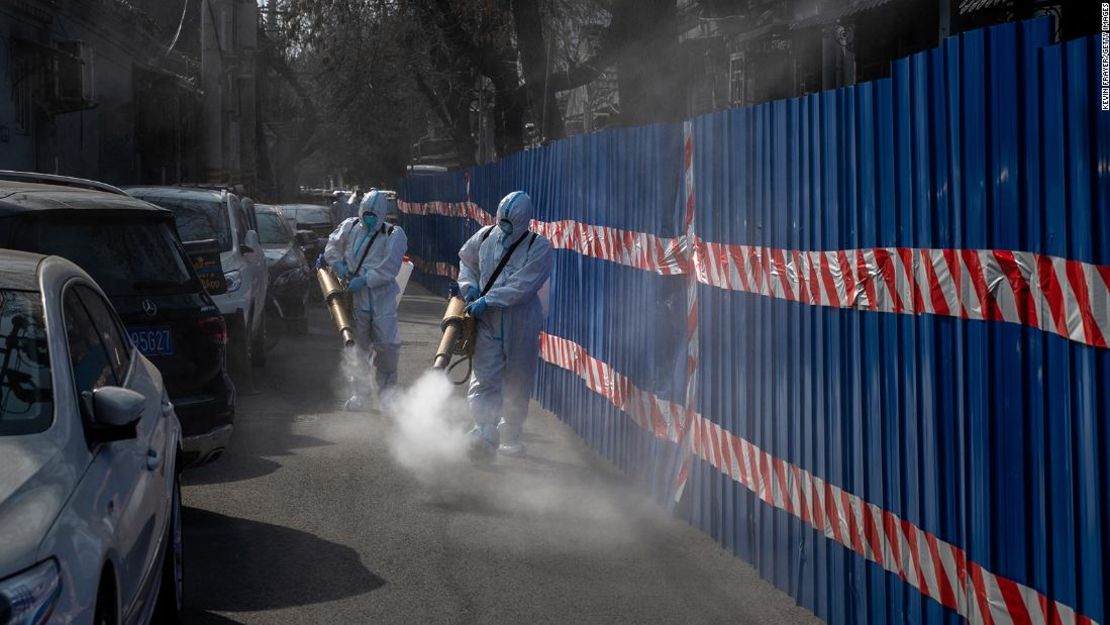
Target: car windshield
{"type": "Point", "coordinates": [198, 219]}
{"type": "Point", "coordinates": [26, 395]}
{"type": "Point", "coordinates": [272, 229]}
{"type": "Point", "coordinates": [312, 215]}
{"type": "Point", "coordinates": [124, 256]}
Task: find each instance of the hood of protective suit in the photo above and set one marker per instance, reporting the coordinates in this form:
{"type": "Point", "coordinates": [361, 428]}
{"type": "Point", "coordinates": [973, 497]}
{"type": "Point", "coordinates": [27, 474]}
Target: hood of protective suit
{"type": "Point", "coordinates": [374, 202]}
{"type": "Point", "coordinates": [517, 208]}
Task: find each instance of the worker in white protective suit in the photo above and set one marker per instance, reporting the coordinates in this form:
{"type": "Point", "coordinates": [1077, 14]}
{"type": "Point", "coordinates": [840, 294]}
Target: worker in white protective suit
{"type": "Point", "coordinates": [367, 252]}
{"type": "Point", "coordinates": [510, 317]}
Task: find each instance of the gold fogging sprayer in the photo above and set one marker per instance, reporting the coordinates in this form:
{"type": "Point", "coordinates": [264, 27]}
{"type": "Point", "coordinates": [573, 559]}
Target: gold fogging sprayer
{"type": "Point", "coordinates": [459, 334]}
{"type": "Point", "coordinates": [339, 304]}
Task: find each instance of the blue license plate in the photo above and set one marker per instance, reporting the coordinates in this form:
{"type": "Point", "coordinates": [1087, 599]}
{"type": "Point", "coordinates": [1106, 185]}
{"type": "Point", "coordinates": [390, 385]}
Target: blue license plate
{"type": "Point", "coordinates": [153, 341]}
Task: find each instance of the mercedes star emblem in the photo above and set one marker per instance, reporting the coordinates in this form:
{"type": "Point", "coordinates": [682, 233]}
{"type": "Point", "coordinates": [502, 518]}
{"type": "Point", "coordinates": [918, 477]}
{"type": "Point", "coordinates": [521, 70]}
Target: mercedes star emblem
{"type": "Point", "coordinates": [149, 308]}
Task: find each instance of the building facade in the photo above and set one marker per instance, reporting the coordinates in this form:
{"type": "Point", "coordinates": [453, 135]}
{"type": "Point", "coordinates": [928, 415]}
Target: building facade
{"type": "Point", "coordinates": [744, 52]}
{"type": "Point", "coordinates": [124, 92]}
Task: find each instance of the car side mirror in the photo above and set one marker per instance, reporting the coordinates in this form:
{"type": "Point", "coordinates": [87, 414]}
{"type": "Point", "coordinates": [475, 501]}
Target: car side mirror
{"type": "Point", "coordinates": [116, 413]}
{"type": "Point", "coordinates": [250, 242]}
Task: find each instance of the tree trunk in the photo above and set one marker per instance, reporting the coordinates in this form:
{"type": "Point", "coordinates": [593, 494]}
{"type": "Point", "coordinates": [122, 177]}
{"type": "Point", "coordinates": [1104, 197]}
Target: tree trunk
{"type": "Point", "coordinates": [508, 112]}
{"type": "Point", "coordinates": [453, 111]}
{"type": "Point", "coordinates": [300, 147]}
{"type": "Point", "coordinates": [534, 58]}
{"type": "Point", "coordinates": [499, 65]}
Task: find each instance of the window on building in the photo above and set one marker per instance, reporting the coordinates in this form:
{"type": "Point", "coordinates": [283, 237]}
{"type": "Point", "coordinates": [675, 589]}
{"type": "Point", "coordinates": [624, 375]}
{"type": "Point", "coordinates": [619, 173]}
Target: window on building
{"type": "Point", "coordinates": [22, 87]}
{"type": "Point", "coordinates": [736, 83]}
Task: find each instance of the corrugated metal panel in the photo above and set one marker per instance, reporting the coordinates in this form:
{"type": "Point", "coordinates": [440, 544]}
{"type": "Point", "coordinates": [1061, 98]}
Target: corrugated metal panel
{"type": "Point", "coordinates": [884, 444]}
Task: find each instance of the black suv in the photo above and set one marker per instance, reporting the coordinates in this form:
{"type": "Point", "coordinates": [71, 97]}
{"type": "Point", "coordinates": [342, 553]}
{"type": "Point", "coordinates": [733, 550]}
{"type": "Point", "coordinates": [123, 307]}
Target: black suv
{"type": "Point", "coordinates": [132, 249]}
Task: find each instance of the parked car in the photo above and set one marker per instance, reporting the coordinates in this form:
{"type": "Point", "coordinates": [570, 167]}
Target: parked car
{"type": "Point", "coordinates": [132, 250]}
{"type": "Point", "coordinates": [319, 220]}
{"type": "Point", "coordinates": [90, 502]}
{"type": "Point", "coordinates": [290, 274]}
{"type": "Point", "coordinates": [211, 214]}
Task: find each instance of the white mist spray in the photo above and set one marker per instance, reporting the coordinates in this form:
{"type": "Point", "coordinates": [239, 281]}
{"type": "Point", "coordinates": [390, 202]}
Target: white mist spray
{"type": "Point", "coordinates": [429, 435]}
{"type": "Point", "coordinates": [352, 371]}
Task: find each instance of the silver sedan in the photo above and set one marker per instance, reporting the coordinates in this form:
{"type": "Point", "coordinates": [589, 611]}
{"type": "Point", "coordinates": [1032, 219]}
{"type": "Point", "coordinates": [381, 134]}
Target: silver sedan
{"type": "Point", "coordinates": [90, 504]}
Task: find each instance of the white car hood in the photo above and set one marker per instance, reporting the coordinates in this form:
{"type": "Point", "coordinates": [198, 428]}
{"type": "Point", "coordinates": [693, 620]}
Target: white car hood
{"type": "Point", "coordinates": [34, 485]}
{"type": "Point", "coordinates": [230, 261]}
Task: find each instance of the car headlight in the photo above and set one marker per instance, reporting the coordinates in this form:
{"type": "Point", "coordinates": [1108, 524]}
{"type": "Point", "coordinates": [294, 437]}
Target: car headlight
{"type": "Point", "coordinates": [234, 280]}
{"type": "Point", "coordinates": [28, 598]}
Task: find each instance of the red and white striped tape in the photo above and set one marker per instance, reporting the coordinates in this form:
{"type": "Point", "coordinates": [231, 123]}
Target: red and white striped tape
{"type": "Point", "coordinates": [639, 250]}
{"type": "Point", "coordinates": [1064, 297]}
{"type": "Point", "coordinates": [463, 210]}
{"type": "Point", "coordinates": [446, 270]}
{"type": "Point", "coordinates": [936, 568]}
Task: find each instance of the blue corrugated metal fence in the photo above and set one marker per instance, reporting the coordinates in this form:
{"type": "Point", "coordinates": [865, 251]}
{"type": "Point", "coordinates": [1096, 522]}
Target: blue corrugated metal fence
{"type": "Point", "coordinates": [971, 454]}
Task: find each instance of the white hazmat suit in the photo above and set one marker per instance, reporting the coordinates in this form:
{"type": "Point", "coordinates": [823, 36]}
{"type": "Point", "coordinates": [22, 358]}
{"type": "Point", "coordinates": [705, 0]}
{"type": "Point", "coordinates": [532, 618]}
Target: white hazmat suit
{"type": "Point", "coordinates": [507, 346]}
{"type": "Point", "coordinates": [373, 254]}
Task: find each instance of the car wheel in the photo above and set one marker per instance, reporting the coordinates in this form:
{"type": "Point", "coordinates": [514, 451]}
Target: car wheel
{"type": "Point", "coordinates": [172, 592]}
{"type": "Point", "coordinates": [258, 344]}
{"type": "Point", "coordinates": [273, 318]}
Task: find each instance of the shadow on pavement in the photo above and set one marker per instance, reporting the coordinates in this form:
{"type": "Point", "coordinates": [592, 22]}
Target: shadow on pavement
{"type": "Point", "coordinates": [200, 617]}
{"type": "Point", "coordinates": [230, 469]}
{"type": "Point", "coordinates": [288, 392]}
{"type": "Point", "coordinates": [272, 567]}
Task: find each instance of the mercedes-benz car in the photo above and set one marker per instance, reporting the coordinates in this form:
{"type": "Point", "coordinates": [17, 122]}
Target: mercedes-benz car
{"type": "Point", "coordinates": [132, 249]}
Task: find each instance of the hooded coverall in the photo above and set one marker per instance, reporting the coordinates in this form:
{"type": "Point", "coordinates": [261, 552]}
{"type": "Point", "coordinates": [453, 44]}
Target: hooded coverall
{"type": "Point", "coordinates": [374, 307]}
{"type": "Point", "coordinates": [507, 347]}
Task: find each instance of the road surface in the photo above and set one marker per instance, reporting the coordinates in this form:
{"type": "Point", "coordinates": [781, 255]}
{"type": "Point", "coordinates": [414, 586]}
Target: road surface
{"type": "Point", "coordinates": [308, 518]}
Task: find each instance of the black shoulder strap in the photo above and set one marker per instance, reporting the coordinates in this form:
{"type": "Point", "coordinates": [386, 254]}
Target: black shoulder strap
{"type": "Point", "coordinates": [367, 250]}
{"type": "Point", "coordinates": [504, 261]}
{"type": "Point", "coordinates": [485, 235]}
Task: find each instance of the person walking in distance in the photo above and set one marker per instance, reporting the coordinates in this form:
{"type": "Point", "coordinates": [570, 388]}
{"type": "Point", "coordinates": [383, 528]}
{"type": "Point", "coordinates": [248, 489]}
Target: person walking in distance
{"type": "Point", "coordinates": [367, 252]}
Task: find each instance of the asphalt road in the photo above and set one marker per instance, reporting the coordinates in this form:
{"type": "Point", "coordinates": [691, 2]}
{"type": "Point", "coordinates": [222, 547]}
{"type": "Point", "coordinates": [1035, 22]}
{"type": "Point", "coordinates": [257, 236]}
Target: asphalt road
{"type": "Point", "coordinates": [309, 518]}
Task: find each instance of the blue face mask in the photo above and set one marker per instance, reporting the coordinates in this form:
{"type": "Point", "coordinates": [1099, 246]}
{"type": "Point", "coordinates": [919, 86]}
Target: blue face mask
{"type": "Point", "coordinates": [370, 221]}
{"type": "Point", "coordinates": [506, 227]}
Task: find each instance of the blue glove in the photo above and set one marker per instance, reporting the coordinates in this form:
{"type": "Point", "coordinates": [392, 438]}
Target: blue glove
{"type": "Point", "coordinates": [477, 307]}
{"type": "Point", "coordinates": [357, 284]}
{"type": "Point", "coordinates": [471, 293]}
{"type": "Point", "coordinates": [341, 269]}
{"type": "Point", "coordinates": [320, 264]}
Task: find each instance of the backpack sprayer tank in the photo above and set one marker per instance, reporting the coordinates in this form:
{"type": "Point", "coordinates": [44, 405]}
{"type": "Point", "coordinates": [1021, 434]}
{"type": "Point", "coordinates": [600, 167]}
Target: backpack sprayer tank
{"type": "Point", "coordinates": [459, 331]}
{"type": "Point", "coordinates": [339, 304]}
